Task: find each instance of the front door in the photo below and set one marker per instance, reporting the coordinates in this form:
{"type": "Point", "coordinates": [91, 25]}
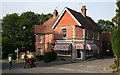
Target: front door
{"type": "Point", "coordinates": [79, 54]}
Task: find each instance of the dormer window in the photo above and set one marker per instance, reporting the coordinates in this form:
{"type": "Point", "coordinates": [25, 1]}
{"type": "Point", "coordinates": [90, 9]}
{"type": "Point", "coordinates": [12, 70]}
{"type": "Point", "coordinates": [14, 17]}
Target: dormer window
{"type": "Point", "coordinates": [64, 33]}
{"type": "Point", "coordinates": [92, 34]}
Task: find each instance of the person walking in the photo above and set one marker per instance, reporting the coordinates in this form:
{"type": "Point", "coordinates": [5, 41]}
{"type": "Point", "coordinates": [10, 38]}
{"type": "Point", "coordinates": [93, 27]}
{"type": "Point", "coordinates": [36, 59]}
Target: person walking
{"type": "Point", "coordinates": [10, 61]}
{"type": "Point", "coordinates": [25, 60]}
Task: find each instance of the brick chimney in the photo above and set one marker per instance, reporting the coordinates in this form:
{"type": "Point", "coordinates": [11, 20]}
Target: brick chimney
{"type": "Point", "coordinates": [55, 13]}
{"type": "Point", "coordinates": [83, 10]}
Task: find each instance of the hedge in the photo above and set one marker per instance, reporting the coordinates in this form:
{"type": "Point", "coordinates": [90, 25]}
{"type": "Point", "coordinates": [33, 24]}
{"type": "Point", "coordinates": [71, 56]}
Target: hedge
{"type": "Point", "coordinates": [50, 56]}
{"type": "Point", "coordinates": [40, 57]}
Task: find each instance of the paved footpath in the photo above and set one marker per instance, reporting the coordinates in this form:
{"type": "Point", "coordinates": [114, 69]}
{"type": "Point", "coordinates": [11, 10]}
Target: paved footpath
{"type": "Point", "coordinates": [93, 66]}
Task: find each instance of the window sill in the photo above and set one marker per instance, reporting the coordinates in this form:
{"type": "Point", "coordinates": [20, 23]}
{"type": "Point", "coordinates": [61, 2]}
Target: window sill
{"type": "Point", "coordinates": [40, 42]}
{"type": "Point", "coordinates": [63, 55]}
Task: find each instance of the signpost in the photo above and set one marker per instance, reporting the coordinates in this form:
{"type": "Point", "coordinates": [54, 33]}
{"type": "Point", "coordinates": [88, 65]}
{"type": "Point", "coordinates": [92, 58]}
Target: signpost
{"type": "Point", "coordinates": [16, 51]}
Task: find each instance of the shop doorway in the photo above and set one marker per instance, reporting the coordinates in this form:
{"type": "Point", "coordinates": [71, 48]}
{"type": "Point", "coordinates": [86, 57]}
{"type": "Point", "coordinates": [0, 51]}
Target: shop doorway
{"type": "Point", "coordinates": [79, 54]}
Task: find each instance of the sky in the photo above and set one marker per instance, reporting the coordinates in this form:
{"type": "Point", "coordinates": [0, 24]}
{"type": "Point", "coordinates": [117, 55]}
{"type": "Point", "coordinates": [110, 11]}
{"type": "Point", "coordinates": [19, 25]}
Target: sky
{"type": "Point", "coordinates": [96, 9]}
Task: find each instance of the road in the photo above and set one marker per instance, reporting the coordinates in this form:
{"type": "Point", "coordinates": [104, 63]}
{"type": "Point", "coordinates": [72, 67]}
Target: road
{"type": "Point", "coordinates": [93, 66]}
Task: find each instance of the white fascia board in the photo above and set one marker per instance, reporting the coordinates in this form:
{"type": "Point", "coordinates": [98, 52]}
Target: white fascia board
{"type": "Point", "coordinates": [58, 18]}
{"type": "Point", "coordinates": [73, 17]}
{"type": "Point", "coordinates": [65, 9]}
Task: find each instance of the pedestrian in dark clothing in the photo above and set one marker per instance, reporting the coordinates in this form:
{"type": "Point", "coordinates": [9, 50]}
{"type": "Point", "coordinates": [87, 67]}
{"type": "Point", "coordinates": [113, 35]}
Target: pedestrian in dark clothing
{"type": "Point", "coordinates": [10, 61]}
{"type": "Point", "coordinates": [25, 60]}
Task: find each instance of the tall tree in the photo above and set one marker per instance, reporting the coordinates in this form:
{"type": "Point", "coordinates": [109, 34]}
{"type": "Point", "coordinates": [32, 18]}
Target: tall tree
{"type": "Point", "coordinates": [106, 25]}
{"type": "Point", "coordinates": [44, 17]}
{"type": "Point", "coordinates": [115, 37]}
{"type": "Point", "coordinates": [18, 31]}
{"type": "Point", "coordinates": [10, 29]}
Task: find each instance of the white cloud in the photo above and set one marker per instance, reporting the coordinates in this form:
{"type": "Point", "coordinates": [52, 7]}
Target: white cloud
{"type": "Point", "coordinates": [59, 0]}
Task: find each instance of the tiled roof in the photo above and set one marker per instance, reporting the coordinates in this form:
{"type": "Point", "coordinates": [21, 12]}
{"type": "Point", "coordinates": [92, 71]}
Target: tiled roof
{"type": "Point", "coordinates": [47, 26]}
{"type": "Point", "coordinates": [85, 21]}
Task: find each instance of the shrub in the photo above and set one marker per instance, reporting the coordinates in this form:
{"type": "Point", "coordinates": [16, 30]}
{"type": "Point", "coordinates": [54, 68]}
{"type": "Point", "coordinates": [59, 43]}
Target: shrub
{"type": "Point", "coordinates": [40, 57]}
{"type": "Point", "coordinates": [33, 59]}
{"type": "Point", "coordinates": [113, 66]}
{"type": "Point", "coordinates": [50, 56]}
{"type": "Point", "coordinates": [14, 56]}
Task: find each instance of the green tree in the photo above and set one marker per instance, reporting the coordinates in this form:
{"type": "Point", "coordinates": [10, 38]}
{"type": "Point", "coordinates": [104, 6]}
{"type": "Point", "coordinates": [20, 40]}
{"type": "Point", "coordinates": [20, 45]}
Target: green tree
{"type": "Point", "coordinates": [44, 17]}
{"type": "Point", "coordinates": [25, 37]}
{"type": "Point", "coordinates": [115, 37]}
{"type": "Point", "coordinates": [9, 28]}
{"type": "Point", "coordinates": [18, 31]}
{"type": "Point", "coordinates": [106, 25]}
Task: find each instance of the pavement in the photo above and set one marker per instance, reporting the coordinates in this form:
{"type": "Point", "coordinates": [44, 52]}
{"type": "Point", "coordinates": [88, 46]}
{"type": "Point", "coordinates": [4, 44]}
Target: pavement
{"type": "Point", "coordinates": [78, 66]}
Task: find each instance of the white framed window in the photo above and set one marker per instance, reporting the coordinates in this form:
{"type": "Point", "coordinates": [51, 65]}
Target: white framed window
{"type": "Point", "coordinates": [64, 53]}
{"type": "Point", "coordinates": [92, 34]}
{"type": "Point", "coordinates": [86, 34]}
{"type": "Point", "coordinates": [64, 33]}
{"type": "Point", "coordinates": [98, 50]}
{"type": "Point", "coordinates": [98, 36]}
{"type": "Point", "coordinates": [40, 39]}
{"type": "Point", "coordinates": [89, 53]}
{"type": "Point", "coordinates": [40, 51]}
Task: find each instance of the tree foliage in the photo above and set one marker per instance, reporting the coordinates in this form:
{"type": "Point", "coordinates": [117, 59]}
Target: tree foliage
{"type": "Point", "coordinates": [18, 31]}
{"type": "Point", "coordinates": [106, 25]}
{"type": "Point", "coordinates": [115, 37]}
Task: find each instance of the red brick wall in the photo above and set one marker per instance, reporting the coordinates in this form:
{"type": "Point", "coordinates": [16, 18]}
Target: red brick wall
{"type": "Point", "coordinates": [45, 45]}
{"type": "Point", "coordinates": [69, 32]}
{"type": "Point", "coordinates": [78, 32]}
{"type": "Point", "coordinates": [66, 20]}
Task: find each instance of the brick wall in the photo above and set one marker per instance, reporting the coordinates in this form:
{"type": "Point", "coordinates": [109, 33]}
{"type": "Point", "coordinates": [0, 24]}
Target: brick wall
{"type": "Point", "coordinates": [66, 20]}
{"type": "Point", "coordinates": [46, 44]}
{"type": "Point", "coordinates": [78, 32]}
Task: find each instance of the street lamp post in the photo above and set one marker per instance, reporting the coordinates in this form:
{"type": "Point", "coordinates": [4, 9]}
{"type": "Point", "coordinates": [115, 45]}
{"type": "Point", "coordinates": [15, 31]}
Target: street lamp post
{"type": "Point", "coordinates": [16, 51]}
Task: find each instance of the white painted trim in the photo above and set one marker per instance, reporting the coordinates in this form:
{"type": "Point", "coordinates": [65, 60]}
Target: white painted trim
{"type": "Point", "coordinates": [64, 27]}
{"type": "Point", "coordinates": [73, 32]}
{"type": "Point", "coordinates": [63, 55]}
{"type": "Point", "coordinates": [64, 41]}
{"type": "Point", "coordinates": [65, 9]}
{"type": "Point", "coordinates": [73, 17]}
{"type": "Point", "coordinates": [78, 40]}
{"type": "Point", "coordinates": [84, 33]}
{"type": "Point", "coordinates": [59, 18]}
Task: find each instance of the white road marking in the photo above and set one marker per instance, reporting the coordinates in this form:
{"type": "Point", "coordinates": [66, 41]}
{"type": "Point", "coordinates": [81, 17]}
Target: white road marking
{"type": "Point", "coordinates": [89, 66]}
{"type": "Point", "coordinates": [66, 69]}
{"type": "Point", "coordinates": [73, 70]}
{"type": "Point", "coordinates": [82, 71]}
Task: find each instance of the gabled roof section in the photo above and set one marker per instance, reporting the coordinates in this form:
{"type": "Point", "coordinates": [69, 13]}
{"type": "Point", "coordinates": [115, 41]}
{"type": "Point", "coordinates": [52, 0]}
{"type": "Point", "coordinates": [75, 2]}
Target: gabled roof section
{"type": "Point", "coordinates": [83, 21]}
{"type": "Point", "coordinates": [46, 27]}
{"type": "Point", "coordinates": [65, 9]}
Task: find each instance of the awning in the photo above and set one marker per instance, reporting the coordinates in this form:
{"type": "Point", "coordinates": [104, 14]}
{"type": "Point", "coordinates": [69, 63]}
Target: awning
{"type": "Point", "coordinates": [63, 47]}
{"type": "Point", "coordinates": [91, 47]}
{"type": "Point", "coordinates": [80, 46]}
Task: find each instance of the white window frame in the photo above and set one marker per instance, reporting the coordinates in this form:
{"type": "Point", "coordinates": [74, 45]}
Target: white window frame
{"type": "Point", "coordinates": [62, 54]}
{"type": "Point", "coordinates": [86, 35]}
{"type": "Point", "coordinates": [98, 36]}
{"type": "Point", "coordinates": [62, 33]}
{"type": "Point", "coordinates": [98, 50]}
{"type": "Point", "coordinates": [92, 34]}
{"type": "Point", "coordinates": [40, 36]}
{"type": "Point", "coordinates": [41, 50]}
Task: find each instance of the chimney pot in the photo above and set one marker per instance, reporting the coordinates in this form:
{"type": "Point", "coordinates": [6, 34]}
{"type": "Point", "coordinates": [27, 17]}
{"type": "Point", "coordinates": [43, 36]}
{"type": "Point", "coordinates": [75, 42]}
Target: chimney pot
{"type": "Point", "coordinates": [83, 10]}
{"type": "Point", "coordinates": [55, 13]}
